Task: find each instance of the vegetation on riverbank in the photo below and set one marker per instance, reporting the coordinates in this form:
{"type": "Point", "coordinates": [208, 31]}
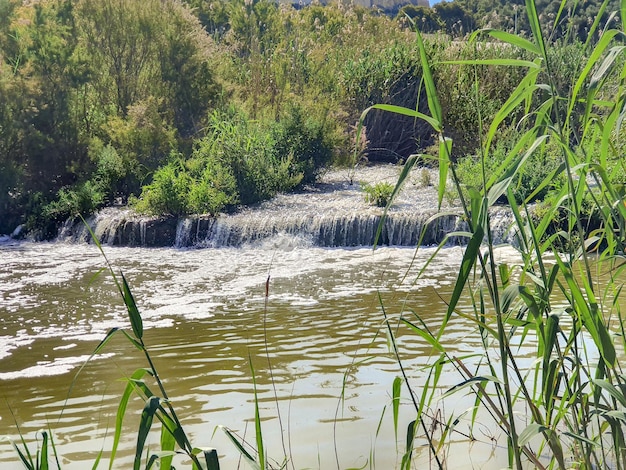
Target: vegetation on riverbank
{"type": "Point", "coordinates": [107, 102]}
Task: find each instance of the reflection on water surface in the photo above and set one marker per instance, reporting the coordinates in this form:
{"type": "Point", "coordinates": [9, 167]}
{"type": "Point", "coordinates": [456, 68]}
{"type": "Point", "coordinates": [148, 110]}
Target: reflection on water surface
{"type": "Point", "coordinates": [204, 318]}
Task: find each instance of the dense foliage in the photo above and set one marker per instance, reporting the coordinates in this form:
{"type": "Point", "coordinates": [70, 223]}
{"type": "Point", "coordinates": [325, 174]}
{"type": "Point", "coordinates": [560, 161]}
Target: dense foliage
{"type": "Point", "coordinates": [201, 105]}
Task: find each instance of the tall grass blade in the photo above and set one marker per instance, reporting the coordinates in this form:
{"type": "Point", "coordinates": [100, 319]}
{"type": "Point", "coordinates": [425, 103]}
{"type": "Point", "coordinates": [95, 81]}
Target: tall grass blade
{"type": "Point", "coordinates": [242, 450]}
{"type": "Point", "coordinates": [395, 400]}
{"type": "Point", "coordinates": [257, 420]}
{"type": "Point", "coordinates": [121, 412]}
{"type": "Point", "coordinates": [445, 150]}
{"type": "Point", "coordinates": [147, 416]}
{"type": "Point", "coordinates": [133, 312]}
{"type": "Point", "coordinates": [469, 258]}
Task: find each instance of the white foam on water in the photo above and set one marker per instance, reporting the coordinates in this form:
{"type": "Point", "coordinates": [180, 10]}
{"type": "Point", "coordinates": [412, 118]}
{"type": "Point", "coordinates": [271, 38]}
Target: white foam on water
{"type": "Point", "coordinates": [49, 368]}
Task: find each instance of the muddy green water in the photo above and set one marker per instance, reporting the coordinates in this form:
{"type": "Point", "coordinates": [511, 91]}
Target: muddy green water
{"type": "Point", "coordinates": [204, 316]}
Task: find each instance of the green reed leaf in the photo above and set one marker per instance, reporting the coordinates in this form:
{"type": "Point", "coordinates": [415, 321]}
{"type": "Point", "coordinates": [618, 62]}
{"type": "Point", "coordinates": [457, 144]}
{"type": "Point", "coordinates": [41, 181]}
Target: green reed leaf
{"type": "Point", "coordinates": [514, 40]}
{"type": "Point", "coordinates": [550, 338]}
{"type": "Point", "coordinates": [445, 150]}
{"type": "Point", "coordinates": [550, 385]}
{"type": "Point", "coordinates": [147, 416]}
{"type": "Point", "coordinates": [95, 463]}
{"type": "Point", "coordinates": [425, 335]}
{"type": "Point", "coordinates": [469, 382]}
{"type": "Point", "coordinates": [211, 459]}
{"type": "Point", "coordinates": [535, 27]}
{"type": "Point", "coordinates": [601, 73]}
{"type": "Point", "coordinates": [598, 53]}
{"type": "Point", "coordinates": [523, 92]}
{"type": "Point", "coordinates": [607, 348]}
{"type": "Point", "coordinates": [504, 62]}
{"type": "Point", "coordinates": [43, 463]}
{"type": "Point", "coordinates": [121, 411]}
{"type": "Point", "coordinates": [469, 258]}
{"type": "Point", "coordinates": [257, 420]}
{"type": "Point", "coordinates": [168, 442]}
{"type": "Point", "coordinates": [404, 112]}
{"type": "Point", "coordinates": [431, 90]}
{"type": "Point", "coordinates": [133, 312]}
{"type": "Point", "coordinates": [56, 455]}
{"type": "Point", "coordinates": [529, 432]}
{"type": "Point", "coordinates": [410, 437]}
{"type": "Point", "coordinates": [406, 169]}
{"type": "Point", "coordinates": [611, 389]}
{"type": "Point", "coordinates": [509, 295]}
{"type": "Point", "coordinates": [244, 453]}
{"type": "Point", "coordinates": [580, 438]}
{"type": "Point", "coordinates": [162, 456]}
{"type": "Point", "coordinates": [24, 457]}
{"type": "Point", "coordinates": [511, 171]}
{"type": "Point", "coordinates": [395, 401]}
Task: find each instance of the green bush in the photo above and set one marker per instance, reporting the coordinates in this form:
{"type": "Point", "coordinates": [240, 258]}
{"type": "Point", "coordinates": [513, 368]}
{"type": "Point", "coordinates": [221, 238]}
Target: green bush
{"type": "Point", "coordinates": [246, 149]}
{"type": "Point", "coordinates": [83, 198]}
{"type": "Point", "coordinates": [168, 192]}
{"type": "Point", "coordinates": [238, 161]}
{"type": "Point", "coordinates": [306, 141]}
{"type": "Point", "coordinates": [378, 194]}
{"type": "Point", "coordinates": [214, 190]}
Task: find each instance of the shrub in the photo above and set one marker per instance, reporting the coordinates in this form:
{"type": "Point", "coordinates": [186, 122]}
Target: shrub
{"type": "Point", "coordinates": [70, 201]}
{"type": "Point", "coordinates": [214, 190]}
{"type": "Point", "coordinates": [238, 161]}
{"type": "Point", "coordinates": [306, 140]}
{"type": "Point", "coordinates": [378, 194]}
{"type": "Point", "coordinates": [168, 192]}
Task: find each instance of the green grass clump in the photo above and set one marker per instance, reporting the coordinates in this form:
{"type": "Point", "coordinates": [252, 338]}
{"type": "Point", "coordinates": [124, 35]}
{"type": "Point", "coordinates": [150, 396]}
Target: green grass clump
{"type": "Point", "coordinates": [378, 194]}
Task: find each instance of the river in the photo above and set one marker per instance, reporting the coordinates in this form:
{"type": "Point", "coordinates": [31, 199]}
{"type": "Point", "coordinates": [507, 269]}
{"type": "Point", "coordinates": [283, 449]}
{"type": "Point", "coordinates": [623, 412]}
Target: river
{"type": "Point", "coordinates": [319, 348]}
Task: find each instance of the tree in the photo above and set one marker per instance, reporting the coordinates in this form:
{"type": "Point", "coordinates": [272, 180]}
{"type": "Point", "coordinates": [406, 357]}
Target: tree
{"type": "Point", "coordinates": [55, 144]}
{"type": "Point", "coordinates": [425, 19]}
{"type": "Point", "coordinates": [457, 20]}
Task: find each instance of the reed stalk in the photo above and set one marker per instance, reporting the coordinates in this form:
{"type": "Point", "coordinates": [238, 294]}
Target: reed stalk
{"type": "Point", "coordinates": [563, 290]}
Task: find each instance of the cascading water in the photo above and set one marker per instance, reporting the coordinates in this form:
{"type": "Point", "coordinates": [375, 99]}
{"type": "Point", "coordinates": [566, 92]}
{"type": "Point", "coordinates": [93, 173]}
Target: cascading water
{"type": "Point", "coordinates": [331, 214]}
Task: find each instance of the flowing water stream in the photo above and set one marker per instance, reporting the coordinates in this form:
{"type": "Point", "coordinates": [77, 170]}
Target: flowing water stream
{"type": "Point", "coordinates": [319, 349]}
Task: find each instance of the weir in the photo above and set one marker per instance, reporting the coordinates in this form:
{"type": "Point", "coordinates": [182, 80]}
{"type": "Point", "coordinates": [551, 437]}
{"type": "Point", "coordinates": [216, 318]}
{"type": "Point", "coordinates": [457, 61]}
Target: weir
{"type": "Point", "coordinates": [330, 214]}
